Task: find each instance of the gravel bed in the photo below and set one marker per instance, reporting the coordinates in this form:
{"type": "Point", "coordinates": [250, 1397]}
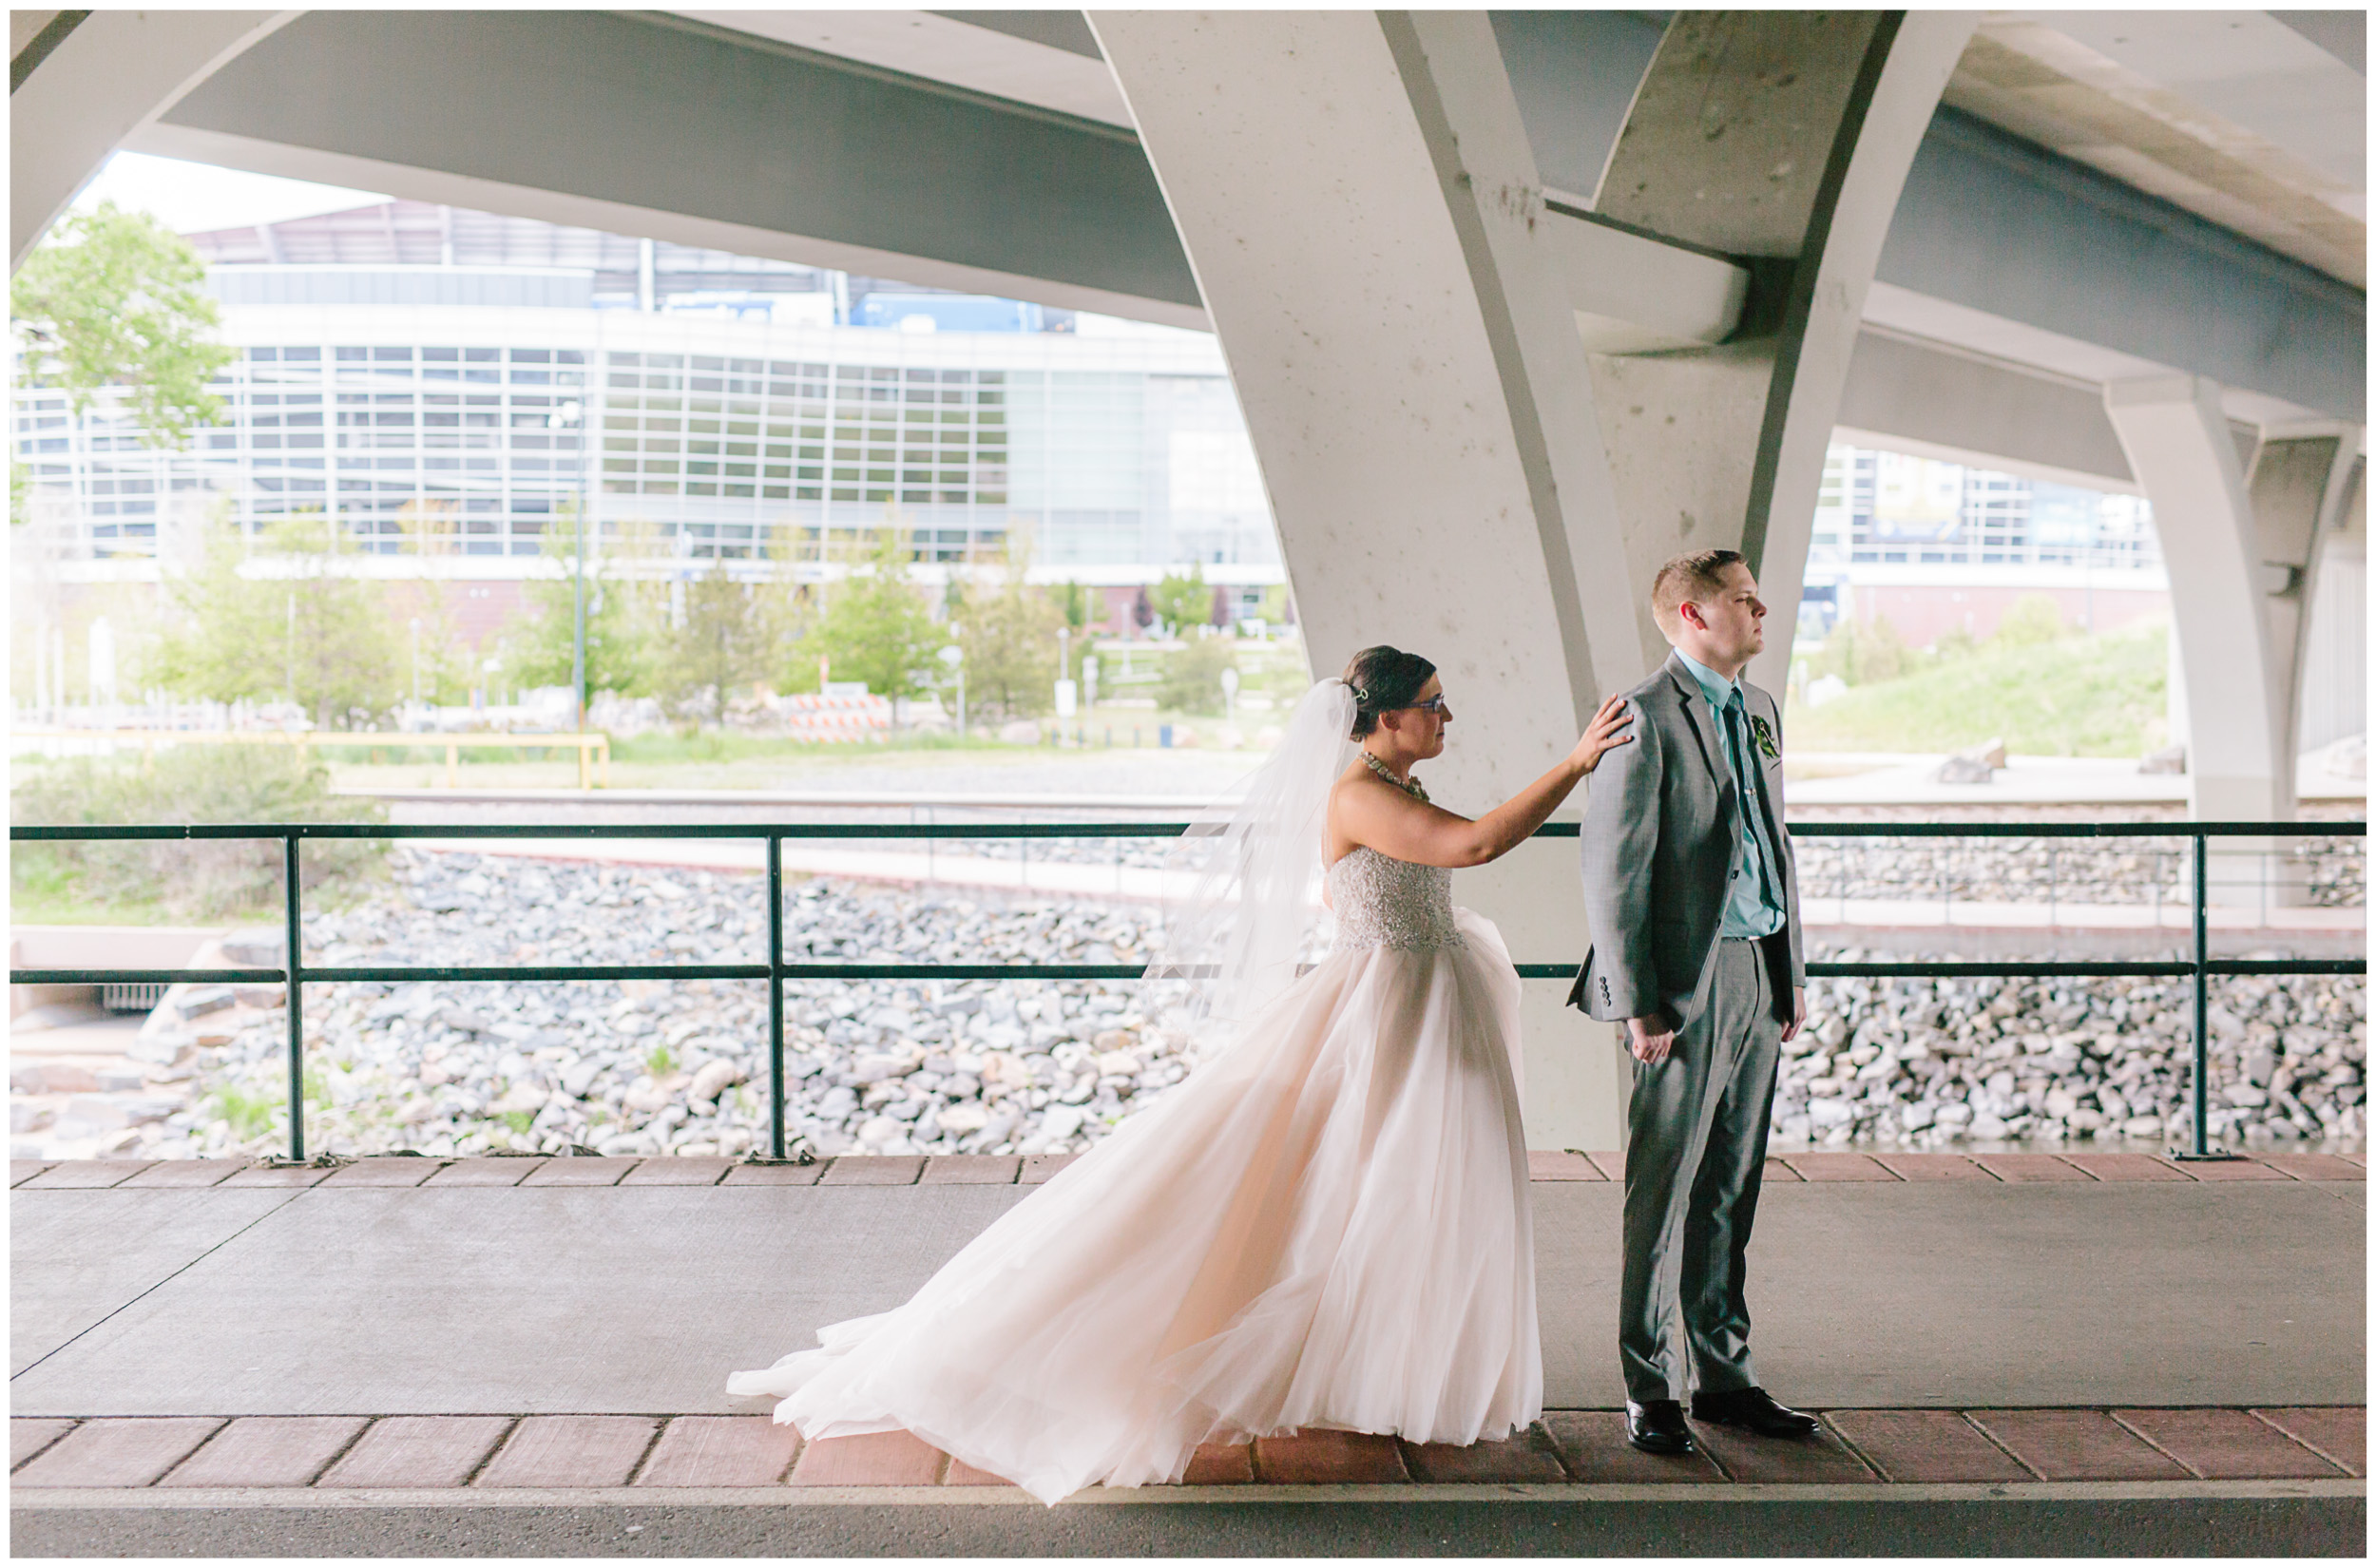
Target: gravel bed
{"type": "Point", "coordinates": [679, 1067]}
{"type": "Point", "coordinates": [1937, 1063]}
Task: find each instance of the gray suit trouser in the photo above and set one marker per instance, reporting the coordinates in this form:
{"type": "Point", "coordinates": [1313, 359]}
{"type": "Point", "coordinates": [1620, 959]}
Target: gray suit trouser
{"type": "Point", "coordinates": [1693, 1167]}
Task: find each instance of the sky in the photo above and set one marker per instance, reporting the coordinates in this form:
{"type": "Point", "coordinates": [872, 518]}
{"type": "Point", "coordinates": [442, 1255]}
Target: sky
{"type": "Point", "coordinates": [193, 197]}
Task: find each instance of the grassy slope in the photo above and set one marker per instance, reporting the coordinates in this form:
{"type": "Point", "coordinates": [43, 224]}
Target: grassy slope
{"type": "Point", "coordinates": [2081, 697]}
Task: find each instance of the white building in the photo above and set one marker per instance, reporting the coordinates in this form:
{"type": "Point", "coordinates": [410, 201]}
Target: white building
{"type": "Point", "coordinates": [409, 368]}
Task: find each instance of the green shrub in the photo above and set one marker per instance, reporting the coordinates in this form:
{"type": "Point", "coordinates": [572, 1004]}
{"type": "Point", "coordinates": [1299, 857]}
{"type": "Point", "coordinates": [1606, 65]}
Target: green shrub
{"type": "Point", "coordinates": [2029, 621]}
{"type": "Point", "coordinates": [250, 1116]}
{"type": "Point", "coordinates": [1862, 652]}
{"type": "Point", "coordinates": [204, 879]}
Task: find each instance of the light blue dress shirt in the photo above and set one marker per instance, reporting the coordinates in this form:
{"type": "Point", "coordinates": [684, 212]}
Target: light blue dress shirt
{"type": "Point", "coordinates": [1754, 906]}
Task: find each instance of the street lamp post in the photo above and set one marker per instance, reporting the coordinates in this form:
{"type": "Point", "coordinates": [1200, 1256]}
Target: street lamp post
{"type": "Point", "coordinates": [572, 415]}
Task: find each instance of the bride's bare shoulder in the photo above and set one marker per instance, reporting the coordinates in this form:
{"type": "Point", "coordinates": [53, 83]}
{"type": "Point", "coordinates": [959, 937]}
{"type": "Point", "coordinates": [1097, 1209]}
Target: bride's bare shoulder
{"type": "Point", "coordinates": [1356, 782]}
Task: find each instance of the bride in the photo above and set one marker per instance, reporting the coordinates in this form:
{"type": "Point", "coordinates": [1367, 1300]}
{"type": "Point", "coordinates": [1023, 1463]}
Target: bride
{"type": "Point", "coordinates": [1327, 1224]}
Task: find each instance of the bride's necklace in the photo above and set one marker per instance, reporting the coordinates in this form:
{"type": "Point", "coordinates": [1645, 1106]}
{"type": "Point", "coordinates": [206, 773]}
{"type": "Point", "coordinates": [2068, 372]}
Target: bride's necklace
{"type": "Point", "coordinates": [1408, 786]}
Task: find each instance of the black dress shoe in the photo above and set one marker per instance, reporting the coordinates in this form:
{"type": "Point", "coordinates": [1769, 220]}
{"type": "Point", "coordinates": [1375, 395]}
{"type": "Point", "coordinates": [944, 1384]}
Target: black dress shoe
{"type": "Point", "coordinates": [1657, 1428]}
{"type": "Point", "coordinates": [1752, 1409]}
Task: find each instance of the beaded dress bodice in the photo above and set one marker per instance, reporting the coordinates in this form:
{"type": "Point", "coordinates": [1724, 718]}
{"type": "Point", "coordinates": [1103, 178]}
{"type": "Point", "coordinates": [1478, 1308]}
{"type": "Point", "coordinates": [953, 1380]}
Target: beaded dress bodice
{"type": "Point", "coordinates": [1381, 902]}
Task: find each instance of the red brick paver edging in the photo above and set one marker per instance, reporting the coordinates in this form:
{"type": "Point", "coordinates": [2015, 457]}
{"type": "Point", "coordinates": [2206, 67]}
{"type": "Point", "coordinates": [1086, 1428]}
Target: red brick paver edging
{"type": "Point", "coordinates": [1598, 1166]}
{"type": "Point", "coordinates": [1871, 1447]}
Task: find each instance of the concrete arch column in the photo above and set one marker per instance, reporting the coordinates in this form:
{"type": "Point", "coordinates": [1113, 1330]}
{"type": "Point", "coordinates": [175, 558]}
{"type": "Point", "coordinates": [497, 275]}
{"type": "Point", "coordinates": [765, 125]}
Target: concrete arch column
{"type": "Point", "coordinates": [1358, 200]}
{"type": "Point", "coordinates": [2242, 536]}
{"type": "Point", "coordinates": [83, 81]}
{"type": "Point", "coordinates": [1356, 194]}
{"type": "Point", "coordinates": [1779, 140]}
{"type": "Point", "coordinates": [1484, 417]}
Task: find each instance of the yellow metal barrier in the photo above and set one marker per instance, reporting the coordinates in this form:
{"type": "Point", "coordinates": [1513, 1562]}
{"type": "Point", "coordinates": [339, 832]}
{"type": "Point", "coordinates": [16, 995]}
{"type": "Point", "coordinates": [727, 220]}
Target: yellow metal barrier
{"type": "Point", "coordinates": [593, 750]}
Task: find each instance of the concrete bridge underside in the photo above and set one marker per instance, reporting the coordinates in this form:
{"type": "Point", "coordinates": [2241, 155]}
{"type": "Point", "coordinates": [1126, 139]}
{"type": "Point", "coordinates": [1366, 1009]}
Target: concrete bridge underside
{"type": "Point", "coordinates": [1516, 304]}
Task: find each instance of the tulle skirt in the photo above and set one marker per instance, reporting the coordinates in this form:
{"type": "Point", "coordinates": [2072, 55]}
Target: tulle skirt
{"type": "Point", "coordinates": [1325, 1224]}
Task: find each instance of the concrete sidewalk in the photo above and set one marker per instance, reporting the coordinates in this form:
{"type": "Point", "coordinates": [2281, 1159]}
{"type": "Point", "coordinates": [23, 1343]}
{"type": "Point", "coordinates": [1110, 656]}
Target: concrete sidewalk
{"type": "Point", "coordinates": [2012, 1353]}
{"type": "Point", "coordinates": [277, 1292]}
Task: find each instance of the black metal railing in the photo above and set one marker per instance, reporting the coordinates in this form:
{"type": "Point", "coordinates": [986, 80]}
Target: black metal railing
{"type": "Point", "coordinates": [295, 972]}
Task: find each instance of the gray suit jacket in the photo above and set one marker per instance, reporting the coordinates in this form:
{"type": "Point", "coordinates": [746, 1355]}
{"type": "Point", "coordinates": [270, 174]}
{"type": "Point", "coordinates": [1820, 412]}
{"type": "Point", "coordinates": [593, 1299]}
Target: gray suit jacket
{"type": "Point", "coordinates": [1659, 840]}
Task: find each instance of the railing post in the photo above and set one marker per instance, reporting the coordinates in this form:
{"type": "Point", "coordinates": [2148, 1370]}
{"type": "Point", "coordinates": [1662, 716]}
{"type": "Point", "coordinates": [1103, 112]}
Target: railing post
{"type": "Point", "coordinates": [2202, 1002]}
{"type": "Point", "coordinates": [775, 998]}
{"type": "Point", "coordinates": [294, 968]}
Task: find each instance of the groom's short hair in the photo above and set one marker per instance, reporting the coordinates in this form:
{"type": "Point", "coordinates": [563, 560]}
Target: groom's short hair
{"type": "Point", "coordinates": [1689, 578]}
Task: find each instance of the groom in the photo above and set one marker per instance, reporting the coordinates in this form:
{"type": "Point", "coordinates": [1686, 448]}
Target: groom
{"type": "Point", "coordinates": [1693, 898]}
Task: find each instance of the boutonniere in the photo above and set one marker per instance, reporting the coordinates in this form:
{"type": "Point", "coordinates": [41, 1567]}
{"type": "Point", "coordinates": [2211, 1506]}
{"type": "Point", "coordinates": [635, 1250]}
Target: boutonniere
{"type": "Point", "coordinates": [1764, 732]}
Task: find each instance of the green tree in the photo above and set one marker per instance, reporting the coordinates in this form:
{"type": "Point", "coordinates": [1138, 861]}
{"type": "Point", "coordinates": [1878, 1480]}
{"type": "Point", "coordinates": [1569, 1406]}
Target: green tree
{"type": "Point", "coordinates": [285, 620]}
{"type": "Point", "coordinates": [877, 625]}
{"type": "Point", "coordinates": [732, 637]}
{"type": "Point", "coordinates": [1076, 602]}
{"type": "Point", "coordinates": [1010, 641]}
{"type": "Point", "coordinates": [438, 660]}
{"type": "Point", "coordinates": [1180, 601]}
{"type": "Point", "coordinates": [115, 296]}
{"type": "Point", "coordinates": [625, 616]}
{"type": "Point", "coordinates": [1192, 678]}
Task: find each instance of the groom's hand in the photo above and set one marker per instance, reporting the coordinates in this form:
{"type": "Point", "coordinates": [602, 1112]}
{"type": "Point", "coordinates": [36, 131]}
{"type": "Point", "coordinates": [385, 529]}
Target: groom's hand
{"type": "Point", "coordinates": [1649, 1039]}
{"type": "Point", "coordinates": [1798, 1015]}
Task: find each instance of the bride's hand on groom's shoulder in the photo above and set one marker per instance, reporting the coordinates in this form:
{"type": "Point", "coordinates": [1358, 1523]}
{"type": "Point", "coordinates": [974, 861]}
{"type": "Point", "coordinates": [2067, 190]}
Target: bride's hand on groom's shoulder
{"type": "Point", "coordinates": [1609, 729]}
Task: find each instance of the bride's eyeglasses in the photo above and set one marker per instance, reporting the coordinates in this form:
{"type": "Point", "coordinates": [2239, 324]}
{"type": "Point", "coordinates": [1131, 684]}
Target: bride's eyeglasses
{"type": "Point", "coordinates": [1432, 705]}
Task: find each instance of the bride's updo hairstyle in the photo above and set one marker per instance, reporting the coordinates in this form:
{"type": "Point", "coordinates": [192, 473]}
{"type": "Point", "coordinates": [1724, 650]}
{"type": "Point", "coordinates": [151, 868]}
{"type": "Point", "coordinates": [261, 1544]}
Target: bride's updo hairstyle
{"type": "Point", "coordinates": [1383, 678]}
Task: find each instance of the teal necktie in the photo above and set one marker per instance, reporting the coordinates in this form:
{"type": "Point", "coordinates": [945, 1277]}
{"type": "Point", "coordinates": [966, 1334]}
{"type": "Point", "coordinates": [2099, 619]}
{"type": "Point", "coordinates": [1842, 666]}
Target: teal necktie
{"type": "Point", "coordinates": [1738, 743]}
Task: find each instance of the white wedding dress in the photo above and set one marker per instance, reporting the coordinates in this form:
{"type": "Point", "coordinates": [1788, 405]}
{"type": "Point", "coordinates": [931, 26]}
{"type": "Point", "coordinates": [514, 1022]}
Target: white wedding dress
{"type": "Point", "coordinates": [1326, 1224]}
